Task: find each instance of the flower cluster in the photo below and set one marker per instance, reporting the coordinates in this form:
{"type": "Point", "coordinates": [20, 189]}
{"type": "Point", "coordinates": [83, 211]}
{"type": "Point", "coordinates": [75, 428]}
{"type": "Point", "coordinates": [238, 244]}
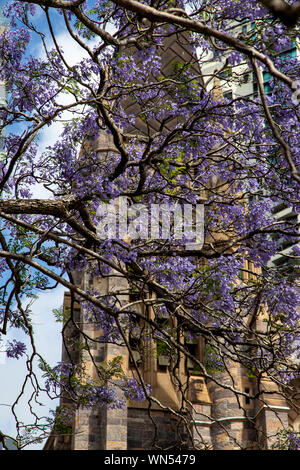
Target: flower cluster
{"type": "Point", "coordinates": [15, 349]}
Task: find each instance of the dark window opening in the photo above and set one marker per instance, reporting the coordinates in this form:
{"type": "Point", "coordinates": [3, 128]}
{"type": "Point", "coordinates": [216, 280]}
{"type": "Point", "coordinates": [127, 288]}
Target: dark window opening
{"type": "Point", "coordinates": [247, 399]}
{"type": "Point", "coordinates": [228, 95]}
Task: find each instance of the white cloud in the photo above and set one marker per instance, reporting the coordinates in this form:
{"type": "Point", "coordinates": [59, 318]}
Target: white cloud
{"type": "Point", "coordinates": [73, 54]}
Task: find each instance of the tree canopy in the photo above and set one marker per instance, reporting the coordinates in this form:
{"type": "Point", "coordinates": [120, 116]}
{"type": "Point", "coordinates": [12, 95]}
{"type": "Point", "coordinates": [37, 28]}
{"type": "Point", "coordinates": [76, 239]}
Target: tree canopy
{"type": "Point", "coordinates": [132, 128]}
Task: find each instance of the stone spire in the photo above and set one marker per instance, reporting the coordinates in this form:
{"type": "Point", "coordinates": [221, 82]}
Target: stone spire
{"type": "Point", "coordinates": [130, 428]}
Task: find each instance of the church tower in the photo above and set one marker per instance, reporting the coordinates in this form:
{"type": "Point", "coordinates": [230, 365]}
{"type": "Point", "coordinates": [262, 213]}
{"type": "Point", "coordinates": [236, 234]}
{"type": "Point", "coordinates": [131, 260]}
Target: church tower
{"type": "Point", "coordinates": [216, 418]}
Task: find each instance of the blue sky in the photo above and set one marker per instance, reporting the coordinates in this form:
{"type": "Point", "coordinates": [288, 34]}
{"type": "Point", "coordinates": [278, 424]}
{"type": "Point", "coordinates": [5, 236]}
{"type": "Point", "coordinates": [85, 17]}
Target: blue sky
{"type": "Point", "coordinates": [47, 331]}
{"type": "Point", "coordinates": [13, 371]}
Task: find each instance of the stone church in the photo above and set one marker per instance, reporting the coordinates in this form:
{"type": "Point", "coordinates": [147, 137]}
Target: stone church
{"type": "Point", "coordinates": [216, 419]}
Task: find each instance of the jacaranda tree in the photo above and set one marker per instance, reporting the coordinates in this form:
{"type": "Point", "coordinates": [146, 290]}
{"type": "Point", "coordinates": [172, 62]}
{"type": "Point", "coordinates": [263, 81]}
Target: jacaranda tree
{"type": "Point", "coordinates": [134, 131]}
